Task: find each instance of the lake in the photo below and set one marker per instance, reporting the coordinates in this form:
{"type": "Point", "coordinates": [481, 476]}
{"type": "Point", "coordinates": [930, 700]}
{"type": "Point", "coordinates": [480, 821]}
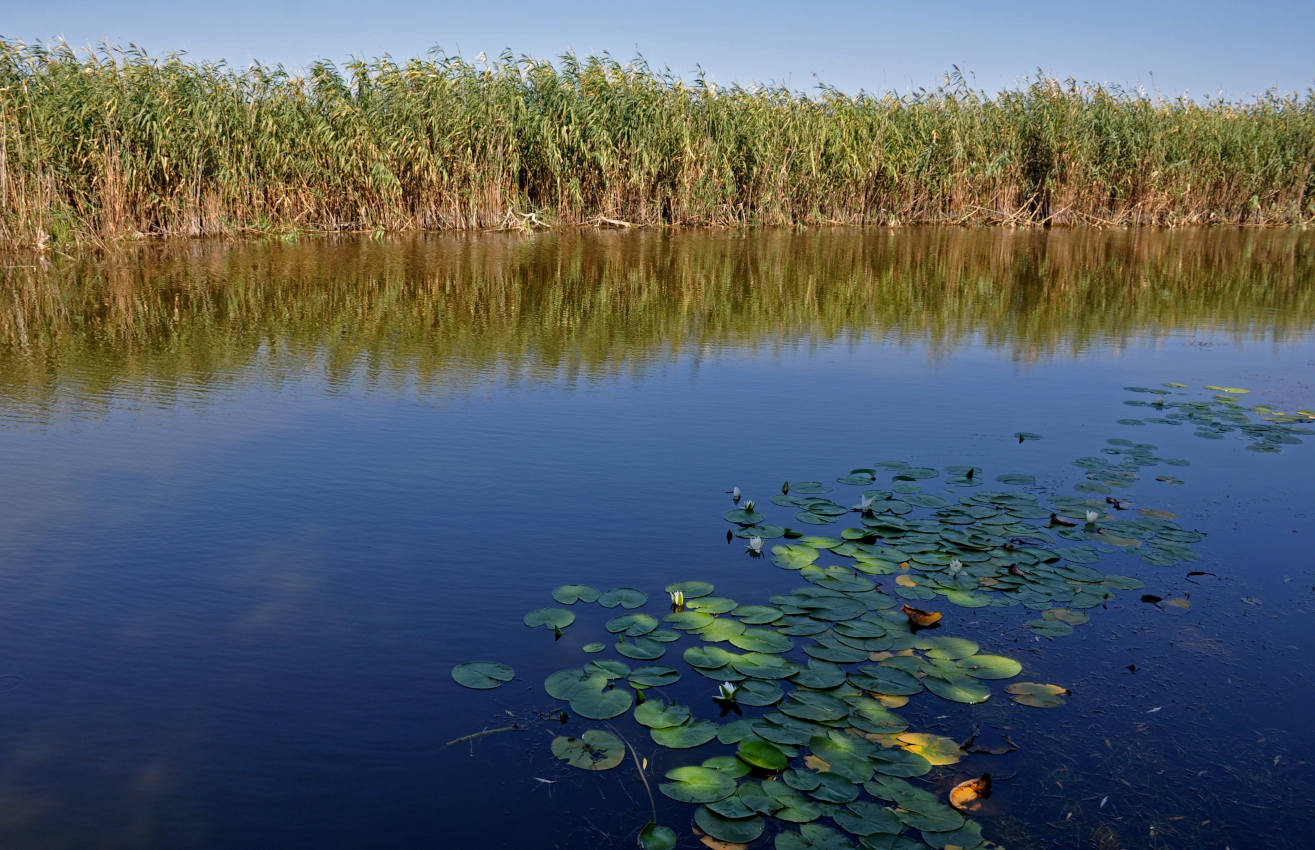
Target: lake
{"type": "Point", "coordinates": [261, 498]}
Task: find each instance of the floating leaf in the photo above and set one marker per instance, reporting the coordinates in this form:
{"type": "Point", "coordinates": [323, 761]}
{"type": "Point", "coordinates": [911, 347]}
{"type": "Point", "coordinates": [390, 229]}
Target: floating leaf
{"type": "Point", "coordinates": [594, 750]}
{"type": "Point", "coordinates": [691, 589]}
{"type": "Point", "coordinates": [936, 749]}
{"type": "Point", "coordinates": [763, 754]}
{"type": "Point", "coordinates": [594, 646]}
{"type": "Point", "coordinates": [990, 666]}
{"type": "Point", "coordinates": [569, 594]}
{"type": "Point", "coordinates": [762, 640]}
{"type": "Point", "coordinates": [655, 676]}
{"type": "Point", "coordinates": [692, 733]}
{"type": "Point", "coordinates": [968, 796]}
{"type": "Point", "coordinates": [601, 705]}
{"type": "Point", "coordinates": [735, 831]}
{"type": "Point", "coordinates": [1037, 695]}
{"type": "Point", "coordinates": [693, 784]}
{"type": "Point", "coordinates": [553, 618]}
{"type": "Point", "coordinates": [626, 597]}
{"type": "Point", "coordinates": [632, 625]}
{"type": "Point", "coordinates": [656, 714]}
{"type": "Point", "coordinates": [654, 837]}
{"type": "Point", "coordinates": [482, 675]}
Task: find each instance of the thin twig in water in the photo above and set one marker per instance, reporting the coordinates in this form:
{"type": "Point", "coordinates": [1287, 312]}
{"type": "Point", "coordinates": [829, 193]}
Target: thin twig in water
{"type": "Point", "coordinates": [651, 802]}
{"type": "Point", "coordinates": [513, 727]}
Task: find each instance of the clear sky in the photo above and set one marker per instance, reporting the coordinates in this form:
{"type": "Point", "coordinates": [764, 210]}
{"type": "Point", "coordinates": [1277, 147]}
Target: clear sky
{"type": "Point", "coordinates": [1201, 48]}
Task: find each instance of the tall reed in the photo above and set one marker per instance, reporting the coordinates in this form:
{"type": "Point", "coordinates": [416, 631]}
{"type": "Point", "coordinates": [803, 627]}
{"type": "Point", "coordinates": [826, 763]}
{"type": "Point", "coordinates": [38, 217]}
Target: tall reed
{"type": "Point", "coordinates": [112, 142]}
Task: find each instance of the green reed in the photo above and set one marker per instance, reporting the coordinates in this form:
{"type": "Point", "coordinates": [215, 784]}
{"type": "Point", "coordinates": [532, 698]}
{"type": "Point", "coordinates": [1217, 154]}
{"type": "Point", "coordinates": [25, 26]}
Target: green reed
{"type": "Point", "coordinates": [109, 143]}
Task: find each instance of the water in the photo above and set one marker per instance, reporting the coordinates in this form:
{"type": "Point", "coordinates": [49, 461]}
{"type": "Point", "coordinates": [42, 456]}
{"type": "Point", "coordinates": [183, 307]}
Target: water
{"type": "Point", "coordinates": [259, 499]}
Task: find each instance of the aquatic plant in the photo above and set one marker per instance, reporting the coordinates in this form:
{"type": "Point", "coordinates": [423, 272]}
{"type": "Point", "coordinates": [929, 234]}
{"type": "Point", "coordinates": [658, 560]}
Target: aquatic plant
{"type": "Point", "coordinates": [115, 142]}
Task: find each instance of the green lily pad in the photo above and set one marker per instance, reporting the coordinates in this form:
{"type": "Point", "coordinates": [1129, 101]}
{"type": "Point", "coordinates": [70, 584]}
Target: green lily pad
{"type": "Point", "coordinates": [897, 762]}
{"type": "Point", "coordinates": [642, 649]}
{"type": "Point", "coordinates": [553, 618]}
{"type": "Point", "coordinates": [758, 692]}
{"type": "Point", "coordinates": [864, 818]}
{"type": "Point", "coordinates": [990, 666]}
{"type": "Point", "coordinates": [762, 640]}
{"type": "Point", "coordinates": [1050, 628]}
{"type": "Point", "coordinates": [565, 684]}
{"type": "Point", "coordinates": [632, 625]}
{"type": "Point", "coordinates": [654, 837]}
{"type": "Point", "coordinates": [655, 676]}
{"type": "Point", "coordinates": [626, 597]}
{"type": "Point", "coordinates": [757, 615]}
{"type": "Point", "coordinates": [482, 675]}
{"type": "Point", "coordinates": [957, 689]}
{"type": "Point", "coordinates": [721, 629]}
{"type": "Point", "coordinates": [656, 714]}
{"type": "Point", "coordinates": [594, 750]}
{"type": "Point", "coordinates": [763, 754]}
{"type": "Point", "coordinates": [691, 589]}
{"type": "Point", "coordinates": [1037, 694]}
{"type": "Point", "coordinates": [569, 594]}
{"type": "Point", "coordinates": [688, 620]}
{"type": "Point", "coordinates": [731, 830]}
{"type": "Point", "coordinates": [708, 657]}
{"type": "Point", "coordinates": [609, 667]}
{"type": "Point", "coordinates": [740, 516]}
{"type": "Point", "coordinates": [691, 733]}
{"type": "Point", "coordinates": [601, 705]}
{"type": "Point", "coordinates": [811, 836]}
{"type": "Point", "coordinates": [692, 784]}
{"type": "Point", "coordinates": [762, 666]}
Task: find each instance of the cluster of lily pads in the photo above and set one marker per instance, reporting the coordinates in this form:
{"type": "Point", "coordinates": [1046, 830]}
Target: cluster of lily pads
{"type": "Point", "coordinates": [827, 664]}
{"type": "Point", "coordinates": [1266, 429]}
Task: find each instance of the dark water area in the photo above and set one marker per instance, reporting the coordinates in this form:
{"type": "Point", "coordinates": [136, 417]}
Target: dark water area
{"type": "Point", "coordinates": [258, 500]}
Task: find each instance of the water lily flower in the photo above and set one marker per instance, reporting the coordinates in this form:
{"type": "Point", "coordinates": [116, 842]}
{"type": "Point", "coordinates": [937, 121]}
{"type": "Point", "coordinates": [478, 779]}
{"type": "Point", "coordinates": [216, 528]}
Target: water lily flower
{"type": "Point", "coordinates": [726, 691]}
{"type": "Point", "coordinates": [955, 566]}
{"type": "Point", "coordinates": [677, 597]}
{"type": "Point", "coordinates": [1092, 516]}
{"type": "Point", "coordinates": [755, 545]}
{"type": "Point", "coordinates": [748, 506]}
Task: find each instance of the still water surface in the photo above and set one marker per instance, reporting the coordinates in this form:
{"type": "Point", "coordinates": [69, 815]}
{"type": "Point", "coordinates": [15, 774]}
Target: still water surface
{"type": "Point", "coordinates": [258, 500]}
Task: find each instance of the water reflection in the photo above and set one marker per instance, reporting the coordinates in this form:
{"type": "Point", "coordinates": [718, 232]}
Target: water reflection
{"type": "Point", "coordinates": [445, 313]}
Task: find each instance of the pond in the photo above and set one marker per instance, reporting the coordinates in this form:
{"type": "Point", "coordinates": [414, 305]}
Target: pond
{"type": "Point", "coordinates": [260, 499]}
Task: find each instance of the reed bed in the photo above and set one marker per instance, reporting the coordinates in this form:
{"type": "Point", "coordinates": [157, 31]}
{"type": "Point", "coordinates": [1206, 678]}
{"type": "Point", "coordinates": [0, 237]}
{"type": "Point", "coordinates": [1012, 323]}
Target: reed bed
{"type": "Point", "coordinates": [111, 143]}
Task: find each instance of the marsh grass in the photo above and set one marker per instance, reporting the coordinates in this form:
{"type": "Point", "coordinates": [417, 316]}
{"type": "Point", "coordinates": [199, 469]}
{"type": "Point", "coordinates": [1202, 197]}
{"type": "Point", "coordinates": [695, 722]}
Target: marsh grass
{"type": "Point", "coordinates": [109, 143]}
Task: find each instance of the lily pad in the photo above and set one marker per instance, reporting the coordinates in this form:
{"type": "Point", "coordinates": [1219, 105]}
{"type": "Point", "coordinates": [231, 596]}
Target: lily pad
{"type": "Point", "coordinates": [693, 784]}
{"type": "Point", "coordinates": [482, 675]}
{"type": "Point", "coordinates": [632, 625]}
{"type": "Point", "coordinates": [692, 733]}
{"type": "Point", "coordinates": [730, 830]}
{"type": "Point", "coordinates": [601, 705]}
{"type": "Point", "coordinates": [1037, 694]}
{"type": "Point", "coordinates": [569, 594]}
{"type": "Point", "coordinates": [553, 618]}
{"type": "Point", "coordinates": [654, 837]}
{"type": "Point", "coordinates": [691, 589]}
{"type": "Point", "coordinates": [594, 750]}
{"type": "Point", "coordinates": [626, 597]}
{"type": "Point", "coordinates": [763, 754]}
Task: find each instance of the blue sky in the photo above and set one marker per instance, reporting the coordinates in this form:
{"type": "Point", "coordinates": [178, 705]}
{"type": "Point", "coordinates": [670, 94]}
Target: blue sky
{"type": "Point", "coordinates": [1174, 47]}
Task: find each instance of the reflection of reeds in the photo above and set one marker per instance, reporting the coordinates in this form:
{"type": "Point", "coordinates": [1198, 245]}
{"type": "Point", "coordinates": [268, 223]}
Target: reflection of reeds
{"type": "Point", "coordinates": [447, 311]}
{"type": "Point", "coordinates": [113, 142]}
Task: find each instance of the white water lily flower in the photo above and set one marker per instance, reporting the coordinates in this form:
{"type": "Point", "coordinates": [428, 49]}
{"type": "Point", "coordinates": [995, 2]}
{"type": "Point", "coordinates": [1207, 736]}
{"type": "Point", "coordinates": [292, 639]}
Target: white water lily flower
{"type": "Point", "coordinates": [755, 545]}
{"type": "Point", "coordinates": [727, 691]}
{"type": "Point", "coordinates": [1092, 516]}
{"type": "Point", "coordinates": [677, 597]}
{"type": "Point", "coordinates": [748, 506]}
{"type": "Point", "coordinates": [955, 565]}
